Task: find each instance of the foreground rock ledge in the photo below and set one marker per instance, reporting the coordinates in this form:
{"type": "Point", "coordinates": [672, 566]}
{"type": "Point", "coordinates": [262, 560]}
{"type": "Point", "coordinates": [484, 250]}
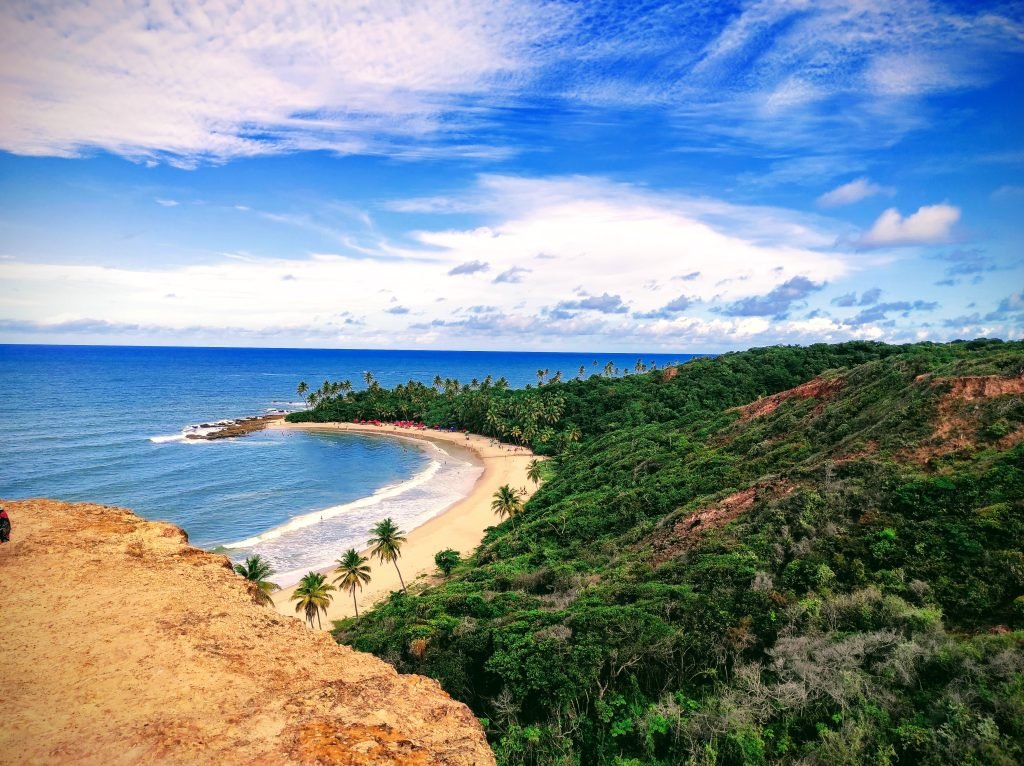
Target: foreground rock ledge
{"type": "Point", "coordinates": [121, 644]}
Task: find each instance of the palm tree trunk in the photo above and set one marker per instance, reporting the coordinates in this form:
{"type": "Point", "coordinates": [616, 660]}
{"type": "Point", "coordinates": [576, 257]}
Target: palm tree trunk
{"type": "Point", "coordinates": [400, 577]}
{"type": "Point", "coordinates": [354, 605]}
{"type": "Point", "coordinates": [318, 623]}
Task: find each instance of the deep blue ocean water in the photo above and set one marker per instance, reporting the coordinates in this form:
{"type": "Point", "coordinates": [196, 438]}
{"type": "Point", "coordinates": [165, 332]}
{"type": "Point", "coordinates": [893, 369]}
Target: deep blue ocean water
{"type": "Point", "coordinates": [104, 424]}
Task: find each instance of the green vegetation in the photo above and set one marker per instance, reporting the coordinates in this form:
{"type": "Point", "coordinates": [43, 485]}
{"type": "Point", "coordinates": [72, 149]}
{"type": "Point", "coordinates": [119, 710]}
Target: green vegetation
{"type": "Point", "coordinates": [534, 472]}
{"type": "Point", "coordinates": [257, 569]}
{"type": "Point", "coordinates": [353, 572]}
{"type": "Point", "coordinates": [386, 544]}
{"type": "Point", "coordinates": [447, 560]}
{"type": "Point", "coordinates": [507, 502]}
{"type": "Point", "coordinates": [830, 576]}
{"type": "Point", "coordinates": [313, 595]}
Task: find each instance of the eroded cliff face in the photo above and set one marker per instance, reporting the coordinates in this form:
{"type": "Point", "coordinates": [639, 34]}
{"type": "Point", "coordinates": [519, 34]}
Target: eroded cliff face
{"type": "Point", "coordinates": [122, 644]}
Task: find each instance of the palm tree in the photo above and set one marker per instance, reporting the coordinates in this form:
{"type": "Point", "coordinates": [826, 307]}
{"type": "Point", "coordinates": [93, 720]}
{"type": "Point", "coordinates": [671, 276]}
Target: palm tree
{"type": "Point", "coordinates": [507, 502]}
{"type": "Point", "coordinates": [368, 377]}
{"type": "Point", "coordinates": [533, 471]}
{"type": "Point", "coordinates": [583, 371]}
{"type": "Point", "coordinates": [313, 594]}
{"type": "Point", "coordinates": [438, 383]}
{"type": "Point", "coordinates": [257, 569]}
{"type": "Point", "coordinates": [353, 572]}
{"type": "Point", "coordinates": [302, 390]}
{"type": "Point", "coordinates": [387, 544]}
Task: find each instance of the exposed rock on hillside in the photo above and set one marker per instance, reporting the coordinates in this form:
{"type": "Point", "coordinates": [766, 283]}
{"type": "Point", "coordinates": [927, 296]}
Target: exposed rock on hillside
{"type": "Point", "coordinates": [123, 645]}
{"type": "Point", "coordinates": [819, 388]}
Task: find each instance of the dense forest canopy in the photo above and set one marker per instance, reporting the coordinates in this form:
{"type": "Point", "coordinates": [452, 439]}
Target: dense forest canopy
{"type": "Point", "coordinates": [785, 555]}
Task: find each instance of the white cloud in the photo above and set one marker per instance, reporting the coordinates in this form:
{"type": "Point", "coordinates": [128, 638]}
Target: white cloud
{"type": "Point", "coordinates": [220, 80]}
{"type": "Point", "coordinates": [930, 225]}
{"type": "Point", "coordinates": [188, 83]}
{"type": "Point", "coordinates": [613, 240]}
{"type": "Point", "coordinates": [854, 191]}
{"type": "Point", "coordinates": [787, 73]}
{"type": "Point", "coordinates": [166, 202]}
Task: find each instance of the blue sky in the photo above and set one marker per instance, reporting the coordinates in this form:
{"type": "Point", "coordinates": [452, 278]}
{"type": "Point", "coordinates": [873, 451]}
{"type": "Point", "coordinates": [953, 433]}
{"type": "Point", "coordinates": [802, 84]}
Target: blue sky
{"type": "Point", "coordinates": [697, 176]}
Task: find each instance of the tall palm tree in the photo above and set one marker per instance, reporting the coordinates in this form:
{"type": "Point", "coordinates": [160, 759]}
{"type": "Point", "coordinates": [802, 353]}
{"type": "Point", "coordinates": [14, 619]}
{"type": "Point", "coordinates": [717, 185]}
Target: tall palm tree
{"type": "Point", "coordinates": [507, 502]}
{"type": "Point", "coordinates": [533, 471]}
{"type": "Point", "coordinates": [313, 595]}
{"type": "Point", "coordinates": [257, 569]}
{"type": "Point", "coordinates": [353, 572]}
{"type": "Point", "coordinates": [368, 377]}
{"type": "Point", "coordinates": [302, 390]}
{"type": "Point", "coordinates": [386, 544]}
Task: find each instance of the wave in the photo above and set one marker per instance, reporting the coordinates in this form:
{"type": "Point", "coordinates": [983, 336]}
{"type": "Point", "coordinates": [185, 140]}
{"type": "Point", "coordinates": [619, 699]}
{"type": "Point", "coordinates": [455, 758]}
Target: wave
{"type": "Point", "coordinates": [166, 439]}
{"type": "Point", "coordinates": [309, 519]}
{"type": "Point", "coordinates": [197, 429]}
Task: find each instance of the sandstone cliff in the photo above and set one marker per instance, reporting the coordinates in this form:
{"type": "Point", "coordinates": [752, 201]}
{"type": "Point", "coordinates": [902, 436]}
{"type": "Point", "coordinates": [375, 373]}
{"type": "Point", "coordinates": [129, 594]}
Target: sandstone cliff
{"type": "Point", "coordinates": [121, 644]}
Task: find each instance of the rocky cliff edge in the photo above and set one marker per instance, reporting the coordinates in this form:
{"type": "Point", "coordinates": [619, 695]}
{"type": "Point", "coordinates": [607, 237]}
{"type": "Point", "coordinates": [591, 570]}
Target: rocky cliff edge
{"type": "Point", "coordinates": [122, 644]}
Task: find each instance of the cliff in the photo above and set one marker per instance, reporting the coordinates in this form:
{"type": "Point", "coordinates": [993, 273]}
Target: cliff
{"type": "Point", "coordinates": [123, 644]}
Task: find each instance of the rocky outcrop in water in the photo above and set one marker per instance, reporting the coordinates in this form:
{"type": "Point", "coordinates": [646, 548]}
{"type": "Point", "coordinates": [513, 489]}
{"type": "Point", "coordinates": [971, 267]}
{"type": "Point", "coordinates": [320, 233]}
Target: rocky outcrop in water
{"type": "Point", "coordinates": [241, 427]}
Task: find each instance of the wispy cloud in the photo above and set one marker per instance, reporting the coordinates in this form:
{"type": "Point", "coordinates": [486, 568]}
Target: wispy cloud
{"type": "Point", "coordinates": [776, 303]}
{"type": "Point", "coordinates": [217, 81]}
{"type": "Point", "coordinates": [604, 303]}
{"type": "Point", "coordinates": [880, 312]}
{"type": "Point", "coordinates": [854, 191]}
{"type": "Point", "coordinates": [514, 275]}
{"type": "Point", "coordinates": [423, 79]}
{"type": "Point", "coordinates": [469, 267]}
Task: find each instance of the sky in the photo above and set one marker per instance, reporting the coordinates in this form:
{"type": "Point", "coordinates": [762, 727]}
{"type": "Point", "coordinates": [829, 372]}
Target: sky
{"type": "Point", "coordinates": [512, 174]}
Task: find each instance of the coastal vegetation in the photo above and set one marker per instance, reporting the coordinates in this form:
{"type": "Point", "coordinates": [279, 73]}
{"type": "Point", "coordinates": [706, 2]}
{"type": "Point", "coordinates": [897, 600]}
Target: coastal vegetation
{"type": "Point", "coordinates": [447, 560]}
{"type": "Point", "coordinates": [257, 570]}
{"type": "Point", "coordinates": [786, 555]}
{"type": "Point", "coordinates": [507, 502]}
{"type": "Point", "coordinates": [386, 544]}
{"type": "Point", "coordinates": [353, 572]}
{"type": "Point", "coordinates": [533, 472]}
{"type": "Point", "coordinates": [312, 596]}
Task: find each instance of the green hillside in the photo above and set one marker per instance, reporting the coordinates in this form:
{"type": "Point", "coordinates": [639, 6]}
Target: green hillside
{"type": "Point", "coordinates": [787, 555]}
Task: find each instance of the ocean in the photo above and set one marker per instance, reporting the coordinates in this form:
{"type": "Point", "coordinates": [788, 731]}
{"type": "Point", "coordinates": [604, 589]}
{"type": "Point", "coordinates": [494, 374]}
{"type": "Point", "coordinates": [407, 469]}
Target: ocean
{"type": "Point", "coordinates": [107, 424]}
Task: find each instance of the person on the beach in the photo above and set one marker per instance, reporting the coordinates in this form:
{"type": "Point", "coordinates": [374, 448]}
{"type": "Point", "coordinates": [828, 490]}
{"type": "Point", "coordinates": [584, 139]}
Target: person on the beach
{"type": "Point", "coordinates": [5, 527]}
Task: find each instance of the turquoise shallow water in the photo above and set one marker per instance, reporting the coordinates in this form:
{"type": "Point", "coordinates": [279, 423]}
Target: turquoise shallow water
{"type": "Point", "coordinates": [104, 424]}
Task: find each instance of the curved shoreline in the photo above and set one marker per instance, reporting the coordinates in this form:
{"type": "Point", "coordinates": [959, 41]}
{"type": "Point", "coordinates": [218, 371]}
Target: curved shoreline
{"type": "Point", "coordinates": [460, 526]}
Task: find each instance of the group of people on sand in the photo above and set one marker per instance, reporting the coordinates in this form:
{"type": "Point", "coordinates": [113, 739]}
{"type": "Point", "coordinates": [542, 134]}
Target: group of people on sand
{"type": "Point", "coordinates": [509, 447]}
{"type": "Point", "coordinates": [5, 526]}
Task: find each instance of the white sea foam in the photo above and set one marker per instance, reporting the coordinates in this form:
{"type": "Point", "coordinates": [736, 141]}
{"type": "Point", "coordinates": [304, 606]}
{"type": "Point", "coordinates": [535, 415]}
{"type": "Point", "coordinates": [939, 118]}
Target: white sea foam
{"type": "Point", "coordinates": [196, 429]}
{"type": "Point", "coordinates": [309, 519]}
{"type": "Point", "coordinates": [317, 548]}
{"type": "Point", "coordinates": [165, 439]}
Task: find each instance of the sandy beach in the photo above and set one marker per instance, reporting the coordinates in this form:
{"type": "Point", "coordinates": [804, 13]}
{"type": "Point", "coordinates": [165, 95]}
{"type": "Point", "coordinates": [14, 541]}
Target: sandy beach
{"type": "Point", "coordinates": [461, 526]}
